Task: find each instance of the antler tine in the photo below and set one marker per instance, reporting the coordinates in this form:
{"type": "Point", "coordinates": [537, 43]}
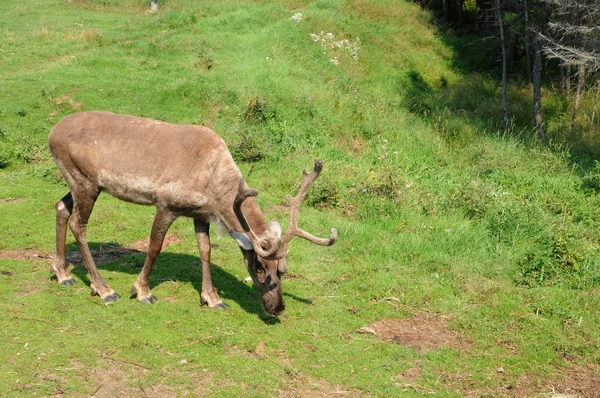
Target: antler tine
{"type": "Point", "coordinates": [295, 202]}
{"type": "Point", "coordinates": [318, 241]}
{"type": "Point", "coordinates": [244, 192]}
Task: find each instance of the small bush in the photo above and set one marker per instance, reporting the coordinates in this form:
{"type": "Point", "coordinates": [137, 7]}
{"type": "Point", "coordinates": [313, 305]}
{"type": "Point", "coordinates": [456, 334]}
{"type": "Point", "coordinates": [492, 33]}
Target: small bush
{"type": "Point", "coordinates": [591, 181]}
{"type": "Point", "coordinates": [205, 58]}
{"type": "Point", "coordinates": [323, 194]}
{"type": "Point", "coordinates": [48, 172]}
{"type": "Point", "coordinates": [176, 19]}
{"type": "Point", "coordinates": [258, 110]}
{"type": "Point", "coordinates": [557, 259]}
{"type": "Point", "coordinates": [249, 147]}
{"type": "Point", "coordinates": [4, 161]}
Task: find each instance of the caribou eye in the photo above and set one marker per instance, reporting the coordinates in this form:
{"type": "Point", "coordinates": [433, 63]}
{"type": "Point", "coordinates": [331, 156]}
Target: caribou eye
{"type": "Point", "coordinates": [261, 274]}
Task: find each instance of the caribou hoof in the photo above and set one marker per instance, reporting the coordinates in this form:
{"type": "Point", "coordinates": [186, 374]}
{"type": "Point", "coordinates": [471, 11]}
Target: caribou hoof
{"type": "Point", "coordinates": [149, 300]}
{"type": "Point", "coordinates": [68, 282]}
{"type": "Point", "coordinates": [111, 298]}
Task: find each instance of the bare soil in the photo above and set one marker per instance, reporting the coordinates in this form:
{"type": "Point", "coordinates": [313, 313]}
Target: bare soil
{"type": "Point", "coordinates": [422, 332]}
{"type": "Point", "coordinates": [102, 254]}
{"type": "Point", "coordinates": [307, 388]}
{"type": "Point", "coordinates": [425, 333]}
{"type": "Point", "coordinates": [571, 382]}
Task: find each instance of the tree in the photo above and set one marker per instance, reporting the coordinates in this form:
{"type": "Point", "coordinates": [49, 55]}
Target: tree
{"type": "Point", "coordinates": [500, 25]}
{"type": "Point", "coordinates": [573, 37]}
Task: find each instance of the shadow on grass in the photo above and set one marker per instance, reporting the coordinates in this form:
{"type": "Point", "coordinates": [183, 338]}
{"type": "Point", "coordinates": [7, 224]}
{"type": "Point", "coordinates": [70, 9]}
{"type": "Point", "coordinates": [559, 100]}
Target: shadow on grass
{"type": "Point", "coordinates": [472, 106]}
{"type": "Point", "coordinates": [180, 268]}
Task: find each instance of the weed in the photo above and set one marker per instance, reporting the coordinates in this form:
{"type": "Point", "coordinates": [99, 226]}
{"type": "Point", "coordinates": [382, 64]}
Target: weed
{"type": "Point", "coordinates": [248, 147]}
{"type": "Point", "coordinates": [591, 181]}
{"type": "Point", "coordinates": [555, 258]}
{"type": "Point", "coordinates": [4, 160]}
{"type": "Point", "coordinates": [258, 110]}
{"type": "Point", "coordinates": [205, 59]}
{"type": "Point", "coordinates": [323, 194]}
{"type": "Point", "coordinates": [48, 172]}
{"type": "Point", "coordinates": [174, 19]}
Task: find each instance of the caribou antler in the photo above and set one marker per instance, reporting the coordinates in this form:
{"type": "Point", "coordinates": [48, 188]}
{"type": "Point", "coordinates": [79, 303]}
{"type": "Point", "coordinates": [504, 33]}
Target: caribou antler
{"type": "Point", "coordinates": [293, 229]}
{"type": "Point", "coordinates": [245, 192]}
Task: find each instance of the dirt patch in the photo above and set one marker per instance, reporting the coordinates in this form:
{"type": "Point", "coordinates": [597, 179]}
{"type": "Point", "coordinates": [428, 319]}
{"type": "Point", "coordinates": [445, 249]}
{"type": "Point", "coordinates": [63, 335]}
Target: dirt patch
{"type": "Point", "coordinates": [142, 244]}
{"type": "Point", "coordinates": [25, 255]}
{"type": "Point", "coordinates": [579, 380]}
{"type": "Point", "coordinates": [316, 389]}
{"type": "Point", "coordinates": [422, 332]}
{"type": "Point", "coordinates": [102, 254]}
{"type": "Point", "coordinates": [118, 383]}
{"type": "Point", "coordinates": [410, 375]}
{"type": "Point", "coordinates": [575, 381]}
{"type": "Point", "coordinates": [108, 254]}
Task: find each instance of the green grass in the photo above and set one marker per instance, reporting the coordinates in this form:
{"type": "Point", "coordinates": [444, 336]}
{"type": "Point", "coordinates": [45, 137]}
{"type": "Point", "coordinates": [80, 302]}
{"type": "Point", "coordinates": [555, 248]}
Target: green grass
{"type": "Point", "coordinates": [434, 208]}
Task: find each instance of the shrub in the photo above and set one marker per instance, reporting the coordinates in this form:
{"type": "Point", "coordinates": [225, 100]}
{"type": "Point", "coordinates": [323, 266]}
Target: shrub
{"type": "Point", "coordinates": [248, 147]}
{"type": "Point", "coordinates": [258, 110]}
{"type": "Point", "coordinates": [323, 194]}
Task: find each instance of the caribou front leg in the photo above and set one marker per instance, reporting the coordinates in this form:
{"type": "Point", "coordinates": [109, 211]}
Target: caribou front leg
{"type": "Point", "coordinates": [209, 295]}
{"type": "Point", "coordinates": [84, 197]}
{"type": "Point", "coordinates": [162, 221]}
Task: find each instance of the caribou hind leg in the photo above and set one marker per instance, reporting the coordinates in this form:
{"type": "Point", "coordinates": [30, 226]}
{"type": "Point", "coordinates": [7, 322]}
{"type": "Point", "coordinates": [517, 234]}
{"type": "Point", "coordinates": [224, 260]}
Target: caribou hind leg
{"type": "Point", "coordinates": [64, 208]}
{"type": "Point", "coordinates": [209, 295]}
{"type": "Point", "coordinates": [162, 221]}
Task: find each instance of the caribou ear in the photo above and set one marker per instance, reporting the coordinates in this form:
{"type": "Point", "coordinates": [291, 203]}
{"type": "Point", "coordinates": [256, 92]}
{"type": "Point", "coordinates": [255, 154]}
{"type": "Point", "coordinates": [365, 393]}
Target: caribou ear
{"type": "Point", "coordinates": [275, 227]}
{"type": "Point", "coordinates": [242, 240]}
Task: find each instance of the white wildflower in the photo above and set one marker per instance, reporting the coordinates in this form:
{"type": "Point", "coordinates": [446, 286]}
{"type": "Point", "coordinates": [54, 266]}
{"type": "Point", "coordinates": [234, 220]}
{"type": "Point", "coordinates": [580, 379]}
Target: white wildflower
{"type": "Point", "coordinates": [328, 42]}
{"type": "Point", "coordinates": [297, 17]}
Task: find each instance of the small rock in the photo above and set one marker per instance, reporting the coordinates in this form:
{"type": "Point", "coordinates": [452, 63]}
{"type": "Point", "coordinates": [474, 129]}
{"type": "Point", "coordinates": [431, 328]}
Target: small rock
{"type": "Point", "coordinates": [366, 330]}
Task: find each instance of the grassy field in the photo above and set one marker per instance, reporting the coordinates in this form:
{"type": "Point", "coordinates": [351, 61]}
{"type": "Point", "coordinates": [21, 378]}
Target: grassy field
{"type": "Point", "coordinates": [467, 261]}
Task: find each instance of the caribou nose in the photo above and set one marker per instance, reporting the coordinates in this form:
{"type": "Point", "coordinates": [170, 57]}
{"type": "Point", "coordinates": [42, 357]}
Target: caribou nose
{"type": "Point", "coordinates": [279, 310]}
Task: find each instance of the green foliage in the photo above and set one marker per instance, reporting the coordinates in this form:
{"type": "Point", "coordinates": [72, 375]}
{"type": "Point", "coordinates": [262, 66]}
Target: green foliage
{"type": "Point", "coordinates": [324, 194]}
{"type": "Point", "coordinates": [258, 110]}
{"type": "Point", "coordinates": [249, 146]}
{"type": "Point", "coordinates": [554, 257]}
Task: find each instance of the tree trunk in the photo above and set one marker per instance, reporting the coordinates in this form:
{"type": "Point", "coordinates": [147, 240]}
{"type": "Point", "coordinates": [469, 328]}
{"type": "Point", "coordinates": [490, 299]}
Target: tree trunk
{"type": "Point", "coordinates": [478, 8]}
{"type": "Point", "coordinates": [537, 89]}
{"type": "Point", "coordinates": [568, 82]}
{"type": "Point", "coordinates": [527, 40]}
{"type": "Point", "coordinates": [445, 7]}
{"type": "Point", "coordinates": [504, 65]}
{"type": "Point", "coordinates": [596, 100]}
{"type": "Point", "coordinates": [580, 83]}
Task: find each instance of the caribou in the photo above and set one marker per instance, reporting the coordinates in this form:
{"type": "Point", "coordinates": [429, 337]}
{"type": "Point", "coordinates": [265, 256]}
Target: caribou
{"type": "Point", "coordinates": [182, 170]}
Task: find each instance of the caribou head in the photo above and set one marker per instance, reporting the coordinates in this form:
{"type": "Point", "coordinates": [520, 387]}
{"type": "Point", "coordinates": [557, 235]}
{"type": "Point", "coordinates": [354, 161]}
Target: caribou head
{"type": "Point", "coordinates": [265, 255]}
